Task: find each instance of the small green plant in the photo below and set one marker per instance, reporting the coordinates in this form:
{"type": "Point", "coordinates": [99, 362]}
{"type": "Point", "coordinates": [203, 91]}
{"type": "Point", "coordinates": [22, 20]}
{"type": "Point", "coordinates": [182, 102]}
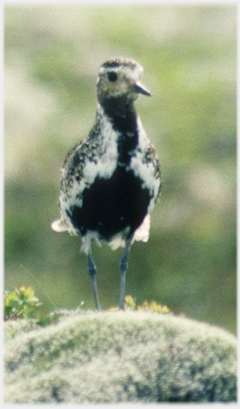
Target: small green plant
{"type": "Point", "coordinates": [153, 307]}
{"type": "Point", "coordinates": [130, 304]}
{"type": "Point", "coordinates": [23, 303]}
{"type": "Point", "coordinates": [20, 303]}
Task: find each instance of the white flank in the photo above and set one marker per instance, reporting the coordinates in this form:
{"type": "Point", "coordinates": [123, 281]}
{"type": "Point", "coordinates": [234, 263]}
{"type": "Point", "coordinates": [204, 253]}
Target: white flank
{"type": "Point", "coordinates": [142, 233]}
{"type": "Point", "coordinates": [145, 171]}
{"type": "Point", "coordinates": [59, 226]}
{"type": "Point", "coordinates": [106, 162]}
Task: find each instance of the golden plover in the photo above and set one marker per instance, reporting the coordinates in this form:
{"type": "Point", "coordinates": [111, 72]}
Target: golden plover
{"type": "Point", "coordinates": [110, 181]}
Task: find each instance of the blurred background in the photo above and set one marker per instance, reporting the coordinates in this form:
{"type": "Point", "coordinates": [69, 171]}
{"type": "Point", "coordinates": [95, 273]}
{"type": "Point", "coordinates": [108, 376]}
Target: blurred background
{"type": "Point", "coordinates": [52, 56]}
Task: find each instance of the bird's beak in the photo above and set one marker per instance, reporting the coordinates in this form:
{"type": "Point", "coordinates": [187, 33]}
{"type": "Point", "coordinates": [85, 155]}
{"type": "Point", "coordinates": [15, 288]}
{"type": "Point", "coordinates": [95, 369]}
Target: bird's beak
{"type": "Point", "coordinates": [140, 89]}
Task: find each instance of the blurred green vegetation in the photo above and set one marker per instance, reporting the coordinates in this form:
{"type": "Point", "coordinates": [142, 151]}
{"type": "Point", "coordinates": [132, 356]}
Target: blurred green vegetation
{"type": "Point", "coordinates": [52, 56]}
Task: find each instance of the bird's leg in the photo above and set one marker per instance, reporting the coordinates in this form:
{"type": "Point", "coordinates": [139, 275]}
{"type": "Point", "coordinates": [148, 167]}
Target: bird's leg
{"type": "Point", "coordinates": [123, 270]}
{"type": "Point", "coordinates": [92, 272]}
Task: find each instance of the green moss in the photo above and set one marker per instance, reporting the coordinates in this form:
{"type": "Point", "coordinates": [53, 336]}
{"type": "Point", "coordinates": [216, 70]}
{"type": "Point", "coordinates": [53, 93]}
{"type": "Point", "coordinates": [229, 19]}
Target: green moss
{"type": "Point", "coordinates": [131, 356]}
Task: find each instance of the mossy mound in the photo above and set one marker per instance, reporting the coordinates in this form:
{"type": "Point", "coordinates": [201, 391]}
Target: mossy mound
{"type": "Point", "coordinates": [131, 356]}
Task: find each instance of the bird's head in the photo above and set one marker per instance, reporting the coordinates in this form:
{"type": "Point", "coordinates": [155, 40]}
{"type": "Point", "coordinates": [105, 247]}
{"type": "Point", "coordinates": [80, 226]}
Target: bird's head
{"type": "Point", "coordinates": [119, 78]}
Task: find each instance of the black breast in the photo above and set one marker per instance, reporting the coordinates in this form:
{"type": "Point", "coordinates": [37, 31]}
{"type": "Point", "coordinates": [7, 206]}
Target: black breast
{"type": "Point", "coordinates": [110, 205]}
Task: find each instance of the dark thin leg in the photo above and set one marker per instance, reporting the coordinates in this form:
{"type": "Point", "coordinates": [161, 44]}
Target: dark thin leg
{"type": "Point", "coordinates": [123, 270]}
{"type": "Point", "coordinates": [92, 272]}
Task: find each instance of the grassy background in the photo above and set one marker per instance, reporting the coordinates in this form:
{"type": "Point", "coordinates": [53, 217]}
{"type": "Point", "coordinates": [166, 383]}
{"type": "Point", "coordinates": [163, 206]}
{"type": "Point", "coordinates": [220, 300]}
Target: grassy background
{"type": "Point", "coordinates": [52, 55]}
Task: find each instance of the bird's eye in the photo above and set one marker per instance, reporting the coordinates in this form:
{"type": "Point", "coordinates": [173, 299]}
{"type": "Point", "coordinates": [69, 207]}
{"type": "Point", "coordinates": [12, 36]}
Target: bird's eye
{"type": "Point", "coordinates": [112, 76]}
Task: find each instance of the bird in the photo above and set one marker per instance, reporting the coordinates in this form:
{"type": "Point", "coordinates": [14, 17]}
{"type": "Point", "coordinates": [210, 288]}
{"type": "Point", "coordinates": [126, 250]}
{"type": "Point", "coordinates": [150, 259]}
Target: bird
{"type": "Point", "coordinates": [111, 180]}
